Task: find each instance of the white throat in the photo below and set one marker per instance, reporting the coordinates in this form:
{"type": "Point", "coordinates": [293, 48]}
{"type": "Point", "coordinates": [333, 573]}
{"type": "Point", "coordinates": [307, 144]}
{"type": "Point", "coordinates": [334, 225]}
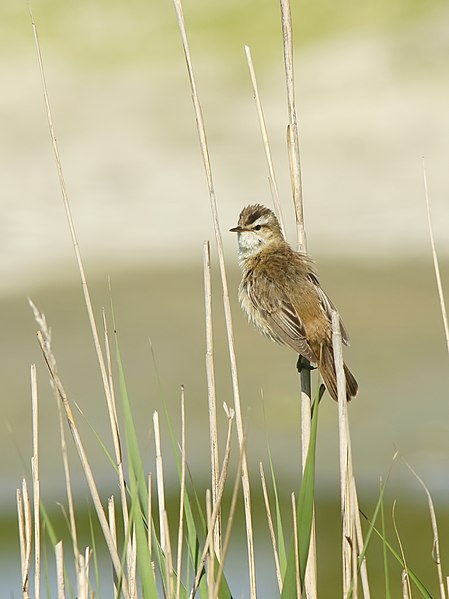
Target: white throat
{"type": "Point", "coordinates": [249, 245]}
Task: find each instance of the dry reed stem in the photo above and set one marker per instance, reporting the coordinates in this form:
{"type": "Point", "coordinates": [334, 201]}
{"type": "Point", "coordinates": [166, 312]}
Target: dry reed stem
{"type": "Point", "coordinates": [113, 529]}
{"type": "Point", "coordinates": [224, 468]}
{"type": "Point", "coordinates": [44, 342]}
{"type": "Point", "coordinates": [292, 128]}
{"type": "Point", "coordinates": [68, 483]}
{"type": "Point", "coordinates": [168, 557]}
{"type": "Point", "coordinates": [230, 521]}
{"type": "Point", "coordinates": [406, 590]}
{"type": "Point", "coordinates": [75, 244]}
{"type": "Point", "coordinates": [348, 537]}
{"type": "Point", "coordinates": [68, 212]}
{"type": "Point", "coordinates": [115, 430]}
{"type": "Point", "coordinates": [181, 497]}
{"type": "Point", "coordinates": [150, 515]}
{"type": "Point", "coordinates": [28, 528]}
{"type": "Point", "coordinates": [42, 323]}
{"type": "Point", "coordinates": [24, 520]}
{"type": "Point", "coordinates": [436, 543]}
{"type": "Point", "coordinates": [80, 586]}
{"type": "Point", "coordinates": [271, 527]}
{"type": "Point", "coordinates": [266, 143]}
{"type": "Point", "coordinates": [296, 545]}
{"type": "Point", "coordinates": [435, 261]}
{"type": "Point", "coordinates": [87, 558]}
{"type": "Point", "coordinates": [211, 394]}
{"type": "Point", "coordinates": [405, 585]}
{"type": "Point", "coordinates": [160, 481]}
{"type": "Point", "coordinates": [216, 509]}
{"type": "Point", "coordinates": [226, 303]}
{"type": "Point", "coordinates": [36, 484]}
{"type": "Point", "coordinates": [210, 554]}
{"type": "Point", "coordinates": [22, 544]}
{"type": "Point", "coordinates": [83, 578]}
{"type": "Point", "coordinates": [132, 564]}
{"type": "Point", "coordinates": [65, 199]}
{"type": "Point", "coordinates": [60, 585]}
{"type": "Point", "coordinates": [360, 542]}
{"type": "Point", "coordinates": [310, 582]}
{"type": "Point", "coordinates": [111, 519]}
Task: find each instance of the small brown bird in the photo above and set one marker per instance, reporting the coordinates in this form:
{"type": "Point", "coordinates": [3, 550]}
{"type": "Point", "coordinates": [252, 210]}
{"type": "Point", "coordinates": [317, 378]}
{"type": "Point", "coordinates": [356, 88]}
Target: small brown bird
{"type": "Point", "coordinates": [281, 295]}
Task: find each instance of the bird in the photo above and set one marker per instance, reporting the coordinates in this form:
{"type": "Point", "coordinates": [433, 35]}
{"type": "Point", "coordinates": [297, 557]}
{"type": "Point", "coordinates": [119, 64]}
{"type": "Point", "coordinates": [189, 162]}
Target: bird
{"type": "Point", "coordinates": [281, 295]}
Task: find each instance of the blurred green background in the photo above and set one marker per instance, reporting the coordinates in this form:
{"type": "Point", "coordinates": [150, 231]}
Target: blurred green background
{"type": "Point", "coordinates": [372, 89]}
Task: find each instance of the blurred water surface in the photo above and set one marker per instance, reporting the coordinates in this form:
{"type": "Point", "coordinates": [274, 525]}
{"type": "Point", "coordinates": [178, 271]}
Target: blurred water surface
{"type": "Point", "coordinates": [397, 352]}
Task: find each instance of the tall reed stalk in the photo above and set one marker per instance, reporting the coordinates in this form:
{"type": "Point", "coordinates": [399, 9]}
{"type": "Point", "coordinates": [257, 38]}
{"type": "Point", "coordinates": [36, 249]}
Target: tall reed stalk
{"type": "Point", "coordinates": [227, 308]}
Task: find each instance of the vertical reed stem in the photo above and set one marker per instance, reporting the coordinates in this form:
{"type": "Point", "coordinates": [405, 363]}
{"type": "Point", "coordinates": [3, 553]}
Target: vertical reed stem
{"type": "Point", "coordinates": [36, 487]}
{"type": "Point", "coordinates": [310, 582]}
{"type": "Point", "coordinates": [210, 373]}
{"type": "Point", "coordinates": [226, 303]}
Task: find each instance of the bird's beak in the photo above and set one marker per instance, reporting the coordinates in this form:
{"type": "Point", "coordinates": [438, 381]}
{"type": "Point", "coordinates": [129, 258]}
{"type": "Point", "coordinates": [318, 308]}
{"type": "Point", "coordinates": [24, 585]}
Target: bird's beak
{"type": "Point", "coordinates": [237, 229]}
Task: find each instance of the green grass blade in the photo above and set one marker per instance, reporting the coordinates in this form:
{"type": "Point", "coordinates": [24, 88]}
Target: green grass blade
{"type": "Point", "coordinates": [148, 582]}
{"type": "Point", "coordinates": [193, 534]}
{"type": "Point", "coordinates": [372, 522]}
{"type": "Point", "coordinates": [196, 528]}
{"type": "Point", "coordinates": [307, 494]}
{"type": "Point", "coordinates": [138, 488]}
{"type": "Point", "coordinates": [279, 528]}
{"type": "Point", "coordinates": [48, 528]}
{"type": "Point", "coordinates": [45, 560]}
{"type": "Point", "coordinates": [384, 547]}
{"type": "Point", "coordinates": [413, 577]}
{"type": "Point", "coordinates": [94, 552]}
{"type": "Point", "coordinates": [139, 497]}
{"type": "Point", "coordinates": [379, 506]}
{"type": "Point", "coordinates": [132, 446]}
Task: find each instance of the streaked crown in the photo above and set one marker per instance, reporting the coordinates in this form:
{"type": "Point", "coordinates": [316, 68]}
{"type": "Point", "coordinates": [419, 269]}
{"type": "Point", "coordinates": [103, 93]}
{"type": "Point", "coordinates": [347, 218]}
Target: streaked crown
{"type": "Point", "coordinates": [257, 228]}
{"type": "Point", "coordinates": [256, 217]}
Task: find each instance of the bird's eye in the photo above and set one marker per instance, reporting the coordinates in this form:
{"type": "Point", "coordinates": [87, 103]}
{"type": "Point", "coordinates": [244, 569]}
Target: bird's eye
{"type": "Point", "coordinates": [257, 227]}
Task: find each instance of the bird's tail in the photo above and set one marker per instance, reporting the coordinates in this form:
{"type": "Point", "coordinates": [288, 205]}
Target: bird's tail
{"type": "Point", "coordinates": [327, 370]}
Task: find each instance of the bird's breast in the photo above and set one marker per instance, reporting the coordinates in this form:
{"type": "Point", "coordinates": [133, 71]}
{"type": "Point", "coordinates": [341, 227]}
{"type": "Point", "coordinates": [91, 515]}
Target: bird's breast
{"type": "Point", "coordinates": [254, 315]}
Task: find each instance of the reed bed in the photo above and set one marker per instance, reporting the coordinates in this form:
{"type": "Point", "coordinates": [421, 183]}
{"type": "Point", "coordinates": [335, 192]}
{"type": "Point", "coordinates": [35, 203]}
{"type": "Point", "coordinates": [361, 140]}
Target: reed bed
{"type": "Point", "coordinates": [185, 557]}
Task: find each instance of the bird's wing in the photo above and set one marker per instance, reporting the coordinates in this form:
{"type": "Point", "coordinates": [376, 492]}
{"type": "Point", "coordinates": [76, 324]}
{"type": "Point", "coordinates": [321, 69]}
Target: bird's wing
{"type": "Point", "coordinates": [328, 307]}
{"type": "Point", "coordinates": [282, 320]}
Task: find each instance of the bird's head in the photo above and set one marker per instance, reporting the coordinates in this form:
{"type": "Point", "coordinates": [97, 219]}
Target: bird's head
{"type": "Point", "coordinates": [257, 228]}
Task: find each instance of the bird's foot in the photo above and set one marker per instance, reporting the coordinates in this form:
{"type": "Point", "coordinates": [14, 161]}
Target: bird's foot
{"type": "Point", "coordinates": [304, 364]}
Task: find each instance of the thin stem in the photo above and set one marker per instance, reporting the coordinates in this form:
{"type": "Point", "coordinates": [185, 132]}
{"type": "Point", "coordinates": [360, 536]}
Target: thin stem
{"type": "Point", "coordinates": [160, 481]}
{"type": "Point", "coordinates": [36, 484]}
{"type": "Point", "coordinates": [266, 143]}
{"type": "Point", "coordinates": [435, 261]}
{"type": "Point", "coordinates": [296, 181]}
{"type": "Point", "coordinates": [51, 364]}
{"type": "Point", "coordinates": [211, 395]}
{"type": "Point", "coordinates": [292, 128]}
{"type": "Point", "coordinates": [271, 527]}
{"type": "Point", "coordinates": [226, 303]}
{"type": "Point", "coordinates": [182, 496]}
{"type": "Point", "coordinates": [59, 551]}
{"type": "Point", "coordinates": [296, 544]}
